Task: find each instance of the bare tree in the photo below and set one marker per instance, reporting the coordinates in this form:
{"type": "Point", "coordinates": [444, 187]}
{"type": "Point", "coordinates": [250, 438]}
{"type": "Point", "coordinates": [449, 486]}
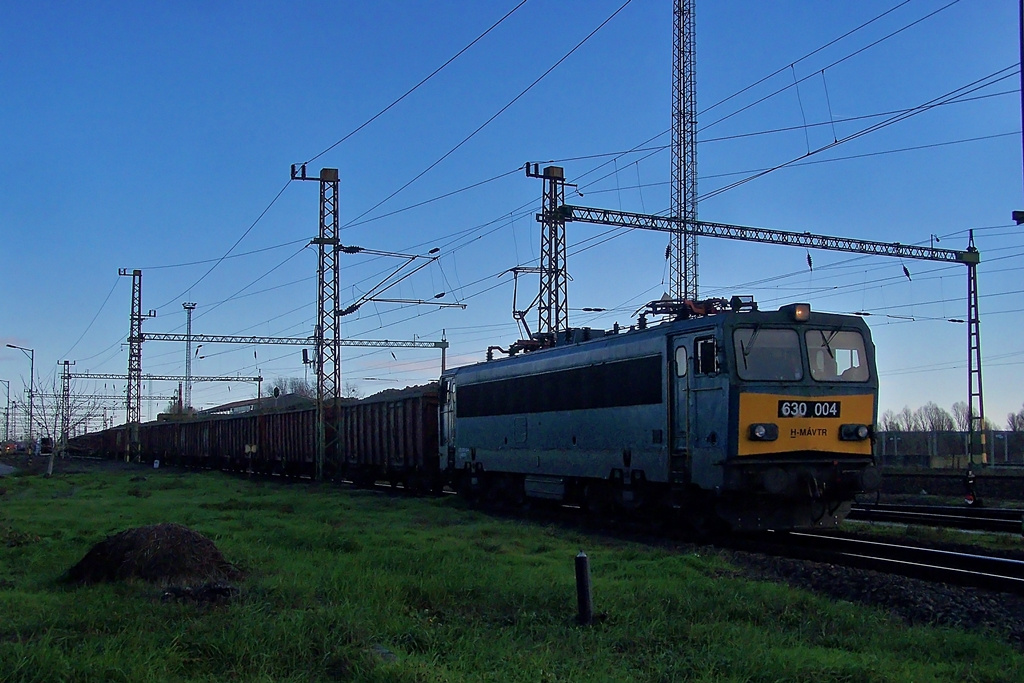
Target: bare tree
{"type": "Point", "coordinates": [1015, 421]}
{"type": "Point", "coordinates": [48, 415]}
{"type": "Point", "coordinates": [962, 416]}
{"type": "Point", "coordinates": [49, 408]}
{"type": "Point", "coordinates": [174, 407]}
{"type": "Point", "coordinates": [932, 418]}
{"type": "Point", "coordinates": [935, 419]}
{"type": "Point", "coordinates": [292, 385]}
{"type": "Point", "coordinates": [889, 422]}
{"type": "Point", "coordinates": [908, 420]}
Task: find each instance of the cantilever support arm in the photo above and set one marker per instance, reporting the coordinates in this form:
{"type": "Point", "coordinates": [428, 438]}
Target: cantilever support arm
{"type": "Point", "coordinates": [642, 221]}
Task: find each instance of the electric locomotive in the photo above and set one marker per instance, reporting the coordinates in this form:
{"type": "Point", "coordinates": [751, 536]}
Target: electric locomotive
{"type": "Point", "coordinates": [723, 413]}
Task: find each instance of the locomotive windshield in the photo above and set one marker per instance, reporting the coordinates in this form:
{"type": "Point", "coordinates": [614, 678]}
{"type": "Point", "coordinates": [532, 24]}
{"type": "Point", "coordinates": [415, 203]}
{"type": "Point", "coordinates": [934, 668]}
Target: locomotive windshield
{"type": "Point", "coordinates": [836, 355]}
{"type": "Point", "coordinates": [767, 354]}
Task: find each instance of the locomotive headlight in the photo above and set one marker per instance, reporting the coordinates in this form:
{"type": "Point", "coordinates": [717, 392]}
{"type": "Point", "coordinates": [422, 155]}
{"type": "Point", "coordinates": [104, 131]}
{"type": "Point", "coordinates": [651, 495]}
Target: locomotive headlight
{"type": "Point", "coordinates": [799, 313]}
{"type": "Point", "coordinates": [764, 431]}
{"type": "Point", "coordinates": [854, 432]}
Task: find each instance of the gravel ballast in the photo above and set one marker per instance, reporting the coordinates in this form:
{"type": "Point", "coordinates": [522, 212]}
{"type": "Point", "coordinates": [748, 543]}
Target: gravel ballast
{"type": "Point", "coordinates": [913, 601]}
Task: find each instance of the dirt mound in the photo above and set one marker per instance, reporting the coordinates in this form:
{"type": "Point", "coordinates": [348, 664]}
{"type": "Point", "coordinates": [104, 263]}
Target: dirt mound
{"type": "Point", "coordinates": [161, 553]}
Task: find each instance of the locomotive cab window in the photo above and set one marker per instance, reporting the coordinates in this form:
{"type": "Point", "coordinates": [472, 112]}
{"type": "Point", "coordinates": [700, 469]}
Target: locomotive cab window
{"type": "Point", "coordinates": [767, 354]}
{"type": "Point", "coordinates": [681, 361]}
{"type": "Point", "coordinates": [837, 355]}
{"type": "Point", "coordinates": [705, 356]}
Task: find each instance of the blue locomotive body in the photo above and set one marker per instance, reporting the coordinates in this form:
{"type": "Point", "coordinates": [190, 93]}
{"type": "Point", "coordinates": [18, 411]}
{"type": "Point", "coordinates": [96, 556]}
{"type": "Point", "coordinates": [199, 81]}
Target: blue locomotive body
{"type": "Point", "coordinates": [671, 418]}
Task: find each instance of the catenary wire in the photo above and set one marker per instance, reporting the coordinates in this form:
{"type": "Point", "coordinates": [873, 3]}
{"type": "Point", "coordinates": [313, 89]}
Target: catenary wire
{"type": "Point", "coordinates": [278, 195]}
{"type": "Point", "coordinates": [492, 118]}
{"type": "Point", "coordinates": [417, 86]}
{"type": "Point", "coordinates": [89, 326]}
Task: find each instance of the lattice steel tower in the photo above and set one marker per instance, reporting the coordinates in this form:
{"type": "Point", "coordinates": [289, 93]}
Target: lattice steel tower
{"type": "Point", "coordinates": [976, 416]}
{"type": "Point", "coordinates": [329, 353]}
{"type": "Point", "coordinates": [327, 360]}
{"type": "Point", "coordinates": [553, 299]}
{"type": "Point", "coordinates": [65, 405]}
{"type": "Point", "coordinates": [189, 307]}
{"type": "Point", "coordinates": [133, 393]}
{"type": "Point", "coordinates": [683, 244]}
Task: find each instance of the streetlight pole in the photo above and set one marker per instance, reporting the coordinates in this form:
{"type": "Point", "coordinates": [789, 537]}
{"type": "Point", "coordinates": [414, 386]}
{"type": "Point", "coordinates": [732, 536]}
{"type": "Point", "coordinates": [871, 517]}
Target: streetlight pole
{"type": "Point", "coordinates": [31, 353]}
{"type": "Point", "coordinates": [7, 411]}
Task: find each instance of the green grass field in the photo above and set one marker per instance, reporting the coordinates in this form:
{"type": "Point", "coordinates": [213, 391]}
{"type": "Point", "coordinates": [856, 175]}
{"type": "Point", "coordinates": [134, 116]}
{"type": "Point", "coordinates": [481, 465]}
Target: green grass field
{"type": "Point", "coordinates": [351, 585]}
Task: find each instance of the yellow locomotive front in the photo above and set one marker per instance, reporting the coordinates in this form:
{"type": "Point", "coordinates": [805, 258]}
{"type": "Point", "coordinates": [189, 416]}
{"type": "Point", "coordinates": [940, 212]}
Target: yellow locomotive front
{"type": "Point", "coordinates": [805, 401]}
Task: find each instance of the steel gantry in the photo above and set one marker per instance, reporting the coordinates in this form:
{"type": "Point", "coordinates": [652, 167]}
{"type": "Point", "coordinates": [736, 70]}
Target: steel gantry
{"type": "Point", "coordinates": [297, 341]}
{"type": "Point", "coordinates": [970, 257]}
{"type": "Point", "coordinates": [119, 397]}
{"type": "Point", "coordinates": [165, 378]}
{"type": "Point", "coordinates": [683, 242]}
{"type": "Point", "coordinates": [625, 219]}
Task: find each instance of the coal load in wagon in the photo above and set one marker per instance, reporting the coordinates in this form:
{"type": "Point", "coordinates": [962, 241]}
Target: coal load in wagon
{"type": "Point", "coordinates": [160, 553]}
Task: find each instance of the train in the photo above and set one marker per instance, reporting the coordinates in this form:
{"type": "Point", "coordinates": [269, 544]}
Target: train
{"type": "Point", "coordinates": [719, 414]}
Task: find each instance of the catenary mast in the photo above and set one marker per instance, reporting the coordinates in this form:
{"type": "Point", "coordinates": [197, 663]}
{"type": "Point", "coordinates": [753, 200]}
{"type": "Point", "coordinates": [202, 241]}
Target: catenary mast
{"type": "Point", "coordinates": [683, 244]}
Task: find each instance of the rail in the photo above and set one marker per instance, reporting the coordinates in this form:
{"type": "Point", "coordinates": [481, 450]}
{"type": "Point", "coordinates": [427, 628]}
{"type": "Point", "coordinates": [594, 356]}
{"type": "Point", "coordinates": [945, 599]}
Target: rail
{"type": "Point", "coordinates": [998, 520]}
{"type": "Point", "coordinates": [940, 566]}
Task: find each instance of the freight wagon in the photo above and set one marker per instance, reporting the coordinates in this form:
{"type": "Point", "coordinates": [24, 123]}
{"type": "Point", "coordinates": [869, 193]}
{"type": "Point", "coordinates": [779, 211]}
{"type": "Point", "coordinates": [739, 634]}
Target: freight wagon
{"type": "Point", "coordinates": [721, 415]}
{"type": "Point", "coordinates": [390, 436]}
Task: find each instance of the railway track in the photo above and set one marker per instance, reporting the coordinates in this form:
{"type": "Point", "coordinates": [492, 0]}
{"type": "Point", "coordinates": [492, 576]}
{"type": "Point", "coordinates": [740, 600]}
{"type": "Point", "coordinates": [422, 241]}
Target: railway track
{"type": "Point", "coordinates": [958, 568]}
{"type": "Point", "coordinates": [998, 520]}
{"type": "Point", "coordinates": [938, 566]}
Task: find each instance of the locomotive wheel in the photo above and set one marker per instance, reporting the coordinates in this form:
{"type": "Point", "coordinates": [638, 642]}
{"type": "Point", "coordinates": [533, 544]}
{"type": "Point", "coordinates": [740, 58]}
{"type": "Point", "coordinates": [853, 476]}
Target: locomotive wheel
{"type": "Point", "coordinates": [598, 499]}
{"type": "Point", "coordinates": [470, 491]}
{"type": "Point", "coordinates": [505, 492]}
{"type": "Point", "coordinates": [516, 492]}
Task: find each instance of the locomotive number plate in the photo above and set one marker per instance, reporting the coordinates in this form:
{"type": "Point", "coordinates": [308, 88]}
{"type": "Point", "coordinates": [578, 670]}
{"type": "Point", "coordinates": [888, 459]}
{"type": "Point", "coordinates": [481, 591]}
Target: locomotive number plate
{"type": "Point", "coordinates": [809, 408]}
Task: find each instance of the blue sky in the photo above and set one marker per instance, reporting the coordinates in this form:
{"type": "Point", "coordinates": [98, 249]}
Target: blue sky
{"type": "Point", "coordinates": [150, 135]}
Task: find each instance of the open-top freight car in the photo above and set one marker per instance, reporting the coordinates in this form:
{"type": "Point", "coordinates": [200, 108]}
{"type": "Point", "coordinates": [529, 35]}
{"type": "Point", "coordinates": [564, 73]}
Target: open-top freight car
{"type": "Point", "coordinates": [390, 436]}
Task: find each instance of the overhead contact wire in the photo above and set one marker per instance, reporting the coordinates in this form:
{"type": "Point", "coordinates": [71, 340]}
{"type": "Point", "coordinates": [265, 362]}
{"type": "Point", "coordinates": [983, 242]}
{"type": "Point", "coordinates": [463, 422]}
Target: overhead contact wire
{"type": "Point", "coordinates": [274, 200]}
{"type": "Point", "coordinates": [835, 63]}
{"type": "Point", "coordinates": [417, 86]}
{"type": "Point", "coordinates": [492, 118]}
{"type": "Point", "coordinates": [89, 326]}
{"type": "Point", "coordinates": [228, 252]}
